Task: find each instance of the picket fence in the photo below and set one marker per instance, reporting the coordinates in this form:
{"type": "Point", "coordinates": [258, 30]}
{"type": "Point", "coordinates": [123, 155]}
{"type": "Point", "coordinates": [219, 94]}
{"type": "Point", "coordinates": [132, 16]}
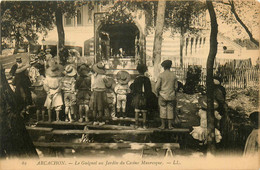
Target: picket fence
{"type": "Point", "coordinates": [242, 78]}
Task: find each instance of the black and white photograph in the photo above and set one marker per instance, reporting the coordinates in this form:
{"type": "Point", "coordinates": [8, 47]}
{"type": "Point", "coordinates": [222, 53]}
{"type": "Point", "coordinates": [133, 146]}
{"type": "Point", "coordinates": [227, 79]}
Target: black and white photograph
{"type": "Point", "coordinates": [129, 84]}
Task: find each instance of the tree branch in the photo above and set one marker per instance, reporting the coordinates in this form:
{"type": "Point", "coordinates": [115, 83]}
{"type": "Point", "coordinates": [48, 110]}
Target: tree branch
{"type": "Point", "coordinates": [233, 10]}
{"type": "Point", "coordinates": [225, 3]}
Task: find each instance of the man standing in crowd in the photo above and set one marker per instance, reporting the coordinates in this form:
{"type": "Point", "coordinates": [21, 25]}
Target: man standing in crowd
{"type": "Point", "coordinates": [165, 88]}
{"type": "Point", "coordinates": [15, 66]}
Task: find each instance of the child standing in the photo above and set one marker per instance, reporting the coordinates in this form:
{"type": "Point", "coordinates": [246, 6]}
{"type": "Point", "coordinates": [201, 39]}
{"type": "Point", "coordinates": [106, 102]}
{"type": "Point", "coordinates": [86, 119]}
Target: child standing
{"type": "Point", "coordinates": [98, 100]}
{"type": "Point", "coordinates": [141, 91]}
{"type": "Point", "coordinates": [68, 87]}
{"type": "Point", "coordinates": [83, 87]}
{"type": "Point", "coordinates": [121, 90]}
{"type": "Point", "coordinates": [39, 97]}
{"type": "Point", "coordinates": [200, 132]}
{"type": "Point", "coordinates": [165, 88]}
{"type": "Point", "coordinates": [111, 98]}
{"type": "Point", "coordinates": [52, 85]}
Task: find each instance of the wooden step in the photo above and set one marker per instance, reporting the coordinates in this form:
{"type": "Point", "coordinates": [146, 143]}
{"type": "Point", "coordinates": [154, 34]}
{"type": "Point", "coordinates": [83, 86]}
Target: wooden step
{"type": "Point", "coordinates": [44, 129]}
{"type": "Point", "coordinates": [106, 145]}
{"type": "Point", "coordinates": [124, 131]}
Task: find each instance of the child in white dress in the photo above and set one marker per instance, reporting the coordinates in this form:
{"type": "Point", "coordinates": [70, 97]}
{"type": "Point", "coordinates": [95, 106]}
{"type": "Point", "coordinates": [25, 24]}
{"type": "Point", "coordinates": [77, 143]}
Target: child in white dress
{"type": "Point", "coordinates": [200, 132]}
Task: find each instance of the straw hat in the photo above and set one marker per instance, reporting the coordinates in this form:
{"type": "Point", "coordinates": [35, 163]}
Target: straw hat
{"type": "Point", "coordinates": [83, 69]}
{"type": "Point", "coordinates": [70, 71]}
{"type": "Point", "coordinates": [21, 68]}
{"type": "Point", "coordinates": [203, 102]}
{"type": "Point", "coordinates": [99, 68]}
{"type": "Point", "coordinates": [123, 77]}
{"type": "Point", "coordinates": [110, 83]}
{"type": "Point", "coordinates": [54, 70]}
{"type": "Point", "coordinates": [48, 50]}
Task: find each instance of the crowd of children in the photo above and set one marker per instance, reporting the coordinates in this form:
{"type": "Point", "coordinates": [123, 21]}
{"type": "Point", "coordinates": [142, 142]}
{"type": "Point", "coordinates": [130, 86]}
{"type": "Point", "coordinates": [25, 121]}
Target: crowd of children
{"type": "Point", "coordinates": [85, 92]}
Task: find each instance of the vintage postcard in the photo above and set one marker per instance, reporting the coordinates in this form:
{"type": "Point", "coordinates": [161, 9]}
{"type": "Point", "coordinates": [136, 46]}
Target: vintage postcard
{"type": "Point", "coordinates": [129, 84]}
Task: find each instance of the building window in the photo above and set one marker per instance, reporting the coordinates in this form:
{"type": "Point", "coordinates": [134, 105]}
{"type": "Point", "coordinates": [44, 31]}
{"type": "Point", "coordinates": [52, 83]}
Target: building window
{"type": "Point", "coordinates": [228, 51]}
{"type": "Point", "coordinates": [68, 21]}
{"type": "Point", "coordinates": [79, 17]}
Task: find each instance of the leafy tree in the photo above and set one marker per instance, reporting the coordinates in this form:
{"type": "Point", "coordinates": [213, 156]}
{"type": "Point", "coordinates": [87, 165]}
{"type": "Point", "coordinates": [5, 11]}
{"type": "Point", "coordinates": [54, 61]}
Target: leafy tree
{"type": "Point", "coordinates": [180, 16]}
{"type": "Point", "coordinates": [24, 19]}
{"type": "Point", "coordinates": [246, 13]}
{"type": "Point", "coordinates": [21, 20]}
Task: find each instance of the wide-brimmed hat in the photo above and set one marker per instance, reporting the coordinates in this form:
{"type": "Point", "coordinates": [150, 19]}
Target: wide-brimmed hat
{"type": "Point", "coordinates": [18, 59]}
{"type": "Point", "coordinates": [110, 83]}
{"type": "Point", "coordinates": [166, 63]}
{"type": "Point", "coordinates": [54, 70]}
{"type": "Point", "coordinates": [203, 102]}
{"type": "Point", "coordinates": [70, 71]}
{"type": "Point", "coordinates": [83, 69]}
{"type": "Point", "coordinates": [99, 68]}
{"type": "Point", "coordinates": [48, 50]}
{"type": "Point", "coordinates": [123, 77]}
{"type": "Point", "coordinates": [21, 68]}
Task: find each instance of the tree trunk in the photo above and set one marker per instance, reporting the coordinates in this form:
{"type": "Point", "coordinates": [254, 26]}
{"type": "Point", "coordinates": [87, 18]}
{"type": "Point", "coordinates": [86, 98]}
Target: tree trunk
{"type": "Point", "coordinates": [209, 80]}
{"type": "Point", "coordinates": [14, 138]}
{"type": "Point", "coordinates": [157, 46]}
{"type": "Point", "coordinates": [60, 29]}
{"type": "Point", "coordinates": [233, 10]}
{"type": "Point", "coordinates": [181, 47]}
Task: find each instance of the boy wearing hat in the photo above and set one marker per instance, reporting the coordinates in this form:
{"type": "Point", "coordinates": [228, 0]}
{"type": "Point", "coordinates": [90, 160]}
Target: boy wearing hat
{"type": "Point", "coordinates": [83, 87]}
{"type": "Point", "coordinates": [121, 90]}
{"type": "Point", "coordinates": [98, 100]}
{"type": "Point", "coordinates": [52, 85]}
{"type": "Point", "coordinates": [69, 91]}
{"type": "Point", "coordinates": [165, 88]}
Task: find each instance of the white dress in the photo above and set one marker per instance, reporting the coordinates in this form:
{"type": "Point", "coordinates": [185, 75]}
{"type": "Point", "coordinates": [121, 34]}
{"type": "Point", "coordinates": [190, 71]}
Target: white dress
{"type": "Point", "coordinates": [54, 97]}
{"type": "Point", "coordinates": [200, 132]}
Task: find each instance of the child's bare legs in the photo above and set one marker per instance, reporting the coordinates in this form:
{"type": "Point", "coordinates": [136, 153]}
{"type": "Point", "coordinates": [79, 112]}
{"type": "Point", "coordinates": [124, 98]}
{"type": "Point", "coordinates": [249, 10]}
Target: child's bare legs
{"type": "Point", "coordinates": [123, 108]}
{"type": "Point", "coordinates": [80, 113]}
{"type": "Point", "coordinates": [57, 115]}
{"type": "Point", "coordinates": [119, 114]}
{"type": "Point", "coordinates": [170, 121]}
{"type": "Point", "coordinates": [66, 113]}
{"type": "Point", "coordinates": [43, 113]}
{"type": "Point", "coordinates": [94, 116]}
{"type": "Point", "coordinates": [162, 124]}
{"type": "Point", "coordinates": [136, 118]}
{"type": "Point", "coordinates": [86, 112]}
{"type": "Point", "coordinates": [71, 113]}
{"type": "Point", "coordinates": [37, 114]}
{"type": "Point", "coordinates": [144, 119]}
{"type": "Point", "coordinates": [49, 115]}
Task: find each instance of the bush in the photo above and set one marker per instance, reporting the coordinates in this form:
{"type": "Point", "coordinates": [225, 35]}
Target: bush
{"type": "Point", "coordinates": [193, 78]}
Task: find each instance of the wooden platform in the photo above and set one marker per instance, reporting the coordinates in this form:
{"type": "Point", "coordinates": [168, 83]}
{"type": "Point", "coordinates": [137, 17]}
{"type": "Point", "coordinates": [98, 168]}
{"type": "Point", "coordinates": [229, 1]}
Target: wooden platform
{"type": "Point", "coordinates": [106, 145]}
{"type": "Point", "coordinates": [125, 131]}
